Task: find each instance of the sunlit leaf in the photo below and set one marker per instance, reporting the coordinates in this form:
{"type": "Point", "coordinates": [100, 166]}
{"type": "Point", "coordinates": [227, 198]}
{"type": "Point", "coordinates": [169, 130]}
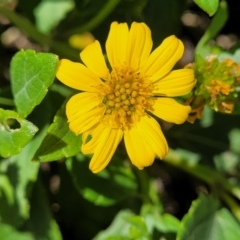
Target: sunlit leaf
{"type": "Point", "coordinates": [138, 228]}
{"type": "Point", "coordinates": [208, 221]}
{"type": "Point", "coordinates": [113, 184]}
{"type": "Point", "coordinates": [15, 132]}
{"type": "Point", "coordinates": [209, 6]}
{"type": "Point", "coordinates": [31, 75]}
{"type": "Point", "coordinates": [59, 141]}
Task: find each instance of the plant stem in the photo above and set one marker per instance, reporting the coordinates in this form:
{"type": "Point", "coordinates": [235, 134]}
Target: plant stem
{"type": "Point", "coordinates": [6, 101]}
{"type": "Point", "coordinates": [27, 27]}
{"type": "Point", "coordinates": [204, 173]}
{"type": "Point", "coordinates": [231, 203]}
{"type": "Point", "coordinates": [143, 180]}
{"type": "Point", "coordinates": [94, 22]}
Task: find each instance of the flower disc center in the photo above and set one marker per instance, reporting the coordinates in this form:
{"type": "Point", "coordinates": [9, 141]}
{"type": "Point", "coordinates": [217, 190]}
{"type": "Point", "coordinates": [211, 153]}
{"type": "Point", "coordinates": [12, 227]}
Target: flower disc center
{"type": "Point", "coordinates": [127, 94]}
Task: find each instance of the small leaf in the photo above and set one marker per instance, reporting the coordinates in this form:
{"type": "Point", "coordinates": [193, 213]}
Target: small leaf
{"type": "Point", "coordinates": [113, 184]}
{"type": "Point", "coordinates": [226, 161]}
{"type": "Point", "coordinates": [118, 229]}
{"type": "Point", "coordinates": [209, 6]}
{"type": "Point", "coordinates": [49, 13]}
{"type": "Point", "coordinates": [206, 221]}
{"type": "Point", "coordinates": [59, 142]}
{"type": "Point", "coordinates": [31, 75]}
{"type": "Point", "coordinates": [15, 132]}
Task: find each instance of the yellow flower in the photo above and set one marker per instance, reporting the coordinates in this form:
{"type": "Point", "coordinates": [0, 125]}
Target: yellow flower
{"type": "Point", "coordinates": [119, 102]}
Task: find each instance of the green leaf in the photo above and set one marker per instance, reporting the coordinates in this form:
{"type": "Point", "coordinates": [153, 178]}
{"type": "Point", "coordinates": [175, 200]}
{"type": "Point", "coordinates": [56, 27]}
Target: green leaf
{"type": "Point", "coordinates": [164, 223]}
{"type": "Point", "coordinates": [125, 226]}
{"type": "Point", "coordinates": [138, 229]}
{"type": "Point", "coordinates": [31, 75]}
{"type": "Point", "coordinates": [118, 229]}
{"type": "Point", "coordinates": [214, 28]}
{"type": "Point", "coordinates": [9, 233]}
{"type": "Point", "coordinates": [59, 142]}
{"type": "Point", "coordinates": [15, 132]}
{"type": "Point", "coordinates": [209, 6]}
{"type": "Point", "coordinates": [41, 223]}
{"type": "Point", "coordinates": [49, 13]}
{"type": "Point", "coordinates": [226, 161]}
{"type": "Point", "coordinates": [19, 173]}
{"type": "Point", "coordinates": [113, 184]}
{"type": "Point", "coordinates": [206, 221]}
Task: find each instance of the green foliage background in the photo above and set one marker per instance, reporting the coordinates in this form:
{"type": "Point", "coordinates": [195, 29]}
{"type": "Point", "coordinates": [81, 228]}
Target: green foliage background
{"type": "Point", "coordinates": [47, 191]}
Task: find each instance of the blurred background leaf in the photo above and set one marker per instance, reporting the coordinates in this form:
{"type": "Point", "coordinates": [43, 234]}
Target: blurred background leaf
{"type": "Point", "coordinates": [49, 13]}
{"type": "Point", "coordinates": [207, 220]}
{"type": "Point", "coordinates": [118, 181]}
{"type": "Point", "coordinates": [21, 175]}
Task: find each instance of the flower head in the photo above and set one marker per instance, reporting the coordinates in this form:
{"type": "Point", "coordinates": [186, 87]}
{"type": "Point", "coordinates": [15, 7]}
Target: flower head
{"type": "Point", "coordinates": [118, 102]}
{"type": "Point", "coordinates": [217, 83]}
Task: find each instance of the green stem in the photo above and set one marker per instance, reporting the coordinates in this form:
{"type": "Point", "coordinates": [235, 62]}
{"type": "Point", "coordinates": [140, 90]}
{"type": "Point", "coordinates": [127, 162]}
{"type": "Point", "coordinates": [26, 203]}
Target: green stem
{"type": "Point", "coordinates": [206, 174]}
{"type": "Point", "coordinates": [143, 180]}
{"type": "Point", "coordinates": [6, 101]}
{"type": "Point", "coordinates": [215, 26]}
{"type": "Point", "coordinates": [27, 27]}
{"type": "Point", "coordinates": [199, 139]}
{"type": "Point", "coordinates": [94, 22]}
{"type": "Point", "coordinates": [64, 91]}
{"type": "Point", "coordinates": [231, 203]}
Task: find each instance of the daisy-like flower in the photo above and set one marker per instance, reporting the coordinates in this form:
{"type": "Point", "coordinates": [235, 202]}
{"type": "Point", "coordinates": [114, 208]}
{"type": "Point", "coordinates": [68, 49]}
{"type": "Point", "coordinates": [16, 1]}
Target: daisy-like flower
{"type": "Point", "coordinates": [119, 102]}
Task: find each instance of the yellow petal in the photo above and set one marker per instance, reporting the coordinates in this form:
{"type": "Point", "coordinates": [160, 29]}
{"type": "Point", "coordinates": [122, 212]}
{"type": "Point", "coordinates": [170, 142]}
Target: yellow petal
{"type": "Point", "coordinates": [116, 45]}
{"type": "Point", "coordinates": [86, 122]}
{"type": "Point", "coordinates": [105, 148]}
{"type": "Point", "coordinates": [139, 152]}
{"type": "Point", "coordinates": [176, 83]}
{"type": "Point", "coordinates": [139, 45]}
{"type": "Point", "coordinates": [92, 57]}
{"type": "Point", "coordinates": [83, 112]}
{"type": "Point", "coordinates": [89, 147]}
{"type": "Point", "coordinates": [150, 130]}
{"type": "Point", "coordinates": [170, 110]}
{"type": "Point", "coordinates": [144, 141]}
{"type": "Point", "coordinates": [76, 75]}
{"type": "Point", "coordinates": [163, 58]}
